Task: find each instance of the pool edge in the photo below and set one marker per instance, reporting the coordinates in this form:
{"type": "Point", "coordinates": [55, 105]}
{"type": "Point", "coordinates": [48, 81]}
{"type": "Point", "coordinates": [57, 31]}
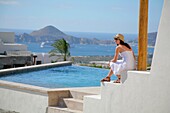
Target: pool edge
{"type": "Point", "coordinates": [33, 67]}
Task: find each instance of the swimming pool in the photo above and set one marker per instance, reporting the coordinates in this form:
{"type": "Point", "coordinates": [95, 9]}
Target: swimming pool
{"type": "Point", "coordinates": [60, 77]}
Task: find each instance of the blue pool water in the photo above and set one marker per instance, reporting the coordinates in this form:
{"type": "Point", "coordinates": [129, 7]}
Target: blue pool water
{"type": "Point", "coordinates": [61, 77]}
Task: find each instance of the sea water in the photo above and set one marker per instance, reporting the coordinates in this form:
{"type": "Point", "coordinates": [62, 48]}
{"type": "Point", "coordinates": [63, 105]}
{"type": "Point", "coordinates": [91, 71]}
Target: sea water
{"type": "Point", "coordinates": [83, 50]}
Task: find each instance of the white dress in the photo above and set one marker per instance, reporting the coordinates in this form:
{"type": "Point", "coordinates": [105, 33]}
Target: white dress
{"type": "Point", "coordinates": [127, 63]}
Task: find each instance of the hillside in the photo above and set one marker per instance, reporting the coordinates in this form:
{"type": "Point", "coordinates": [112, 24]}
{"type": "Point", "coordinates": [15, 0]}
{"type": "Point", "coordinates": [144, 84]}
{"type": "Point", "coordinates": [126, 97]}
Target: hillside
{"type": "Point", "coordinates": [151, 39]}
{"type": "Point", "coordinates": [47, 31]}
{"type": "Point", "coordinates": [51, 33]}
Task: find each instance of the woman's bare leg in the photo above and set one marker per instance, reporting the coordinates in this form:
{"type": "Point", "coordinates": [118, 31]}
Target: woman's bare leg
{"type": "Point", "coordinates": [110, 73]}
{"type": "Point", "coordinates": [118, 76]}
{"type": "Point", "coordinates": [107, 78]}
{"type": "Point", "coordinates": [118, 79]}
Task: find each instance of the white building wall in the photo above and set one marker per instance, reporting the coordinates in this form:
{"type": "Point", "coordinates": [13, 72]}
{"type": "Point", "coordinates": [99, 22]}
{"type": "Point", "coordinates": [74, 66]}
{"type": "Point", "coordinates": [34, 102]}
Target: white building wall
{"type": "Point", "coordinates": [161, 54]}
{"type": "Point", "coordinates": [7, 37]}
{"type": "Point", "coordinates": [7, 43]}
{"type": "Point", "coordinates": [12, 47]}
{"type": "Point", "coordinates": [142, 92]}
{"type": "Point", "coordinates": [45, 58]}
{"type": "Point", "coordinates": [22, 101]}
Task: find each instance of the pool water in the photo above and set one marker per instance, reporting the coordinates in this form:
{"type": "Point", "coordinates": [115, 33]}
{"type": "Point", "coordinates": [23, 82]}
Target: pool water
{"type": "Point", "coordinates": [61, 77]}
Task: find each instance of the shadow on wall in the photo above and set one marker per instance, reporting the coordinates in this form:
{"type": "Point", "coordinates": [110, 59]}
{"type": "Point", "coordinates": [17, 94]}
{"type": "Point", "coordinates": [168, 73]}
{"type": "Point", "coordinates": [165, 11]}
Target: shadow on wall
{"type": "Point", "coordinates": [124, 76]}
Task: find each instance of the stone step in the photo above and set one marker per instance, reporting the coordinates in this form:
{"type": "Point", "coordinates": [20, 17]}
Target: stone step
{"type": "Point", "coordinates": [61, 110]}
{"type": "Point", "coordinates": [74, 104]}
{"type": "Point", "coordinates": [80, 93]}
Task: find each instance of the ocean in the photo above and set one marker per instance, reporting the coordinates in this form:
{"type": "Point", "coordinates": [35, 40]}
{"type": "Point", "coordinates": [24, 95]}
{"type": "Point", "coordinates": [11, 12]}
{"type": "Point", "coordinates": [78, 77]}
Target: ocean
{"type": "Point", "coordinates": [83, 50]}
{"type": "Point", "coordinates": [88, 50]}
{"type": "Point", "coordinates": [101, 36]}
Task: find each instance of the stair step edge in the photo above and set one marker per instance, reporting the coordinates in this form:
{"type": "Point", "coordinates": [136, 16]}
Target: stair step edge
{"type": "Point", "coordinates": [65, 109]}
{"type": "Point", "coordinates": [73, 100]}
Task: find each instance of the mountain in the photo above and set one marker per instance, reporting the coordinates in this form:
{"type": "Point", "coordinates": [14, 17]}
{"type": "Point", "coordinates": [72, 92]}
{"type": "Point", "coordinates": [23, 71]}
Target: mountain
{"type": "Point", "coordinates": [48, 33]}
{"type": "Point", "coordinates": [151, 39]}
{"type": "Point", "coordinates": [51, 33]}
{"type": "Point", "coordinates": [24, 38]}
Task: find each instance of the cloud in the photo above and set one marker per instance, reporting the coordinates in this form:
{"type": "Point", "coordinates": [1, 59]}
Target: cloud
{"type": "Point", "coordinates": [9, 2]}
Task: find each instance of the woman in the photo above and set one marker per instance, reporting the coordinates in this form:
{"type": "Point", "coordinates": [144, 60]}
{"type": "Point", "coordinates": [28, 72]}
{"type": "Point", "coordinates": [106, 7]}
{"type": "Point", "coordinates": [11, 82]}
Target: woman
{"type": "Point", "coordinates": [128, 61]}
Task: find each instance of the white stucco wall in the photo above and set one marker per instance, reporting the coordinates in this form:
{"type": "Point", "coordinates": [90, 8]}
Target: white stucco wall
{"type": "Point", "coordinates": [161, 54]}
{"type": "Point", "coordinates": [12, 47]}
{"type": "Point", "coordinates": [7, 43]}
{"type": "Point", "coordinates": [7, 37]}
{"type": "Point", "coordinates": [142, 92]}
{"type": "Point", "coordinates": [45, 58]}
{"type": "Point", "coordinates": [23, 101]}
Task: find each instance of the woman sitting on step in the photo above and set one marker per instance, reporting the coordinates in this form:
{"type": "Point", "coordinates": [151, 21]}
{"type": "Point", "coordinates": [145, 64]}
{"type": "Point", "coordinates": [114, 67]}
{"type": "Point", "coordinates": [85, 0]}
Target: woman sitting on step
{"type": "Point", "coordinates": [128, 61]}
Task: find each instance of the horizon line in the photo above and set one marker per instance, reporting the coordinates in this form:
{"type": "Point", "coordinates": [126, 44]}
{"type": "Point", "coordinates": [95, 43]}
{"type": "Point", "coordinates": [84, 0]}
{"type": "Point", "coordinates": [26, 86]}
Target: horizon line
{"type": "Point", "coordinates": [71, 31]}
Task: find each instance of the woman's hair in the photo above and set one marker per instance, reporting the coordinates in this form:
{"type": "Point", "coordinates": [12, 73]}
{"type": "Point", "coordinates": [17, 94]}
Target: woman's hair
{"type": "Point", "coordinates": [125, 44]}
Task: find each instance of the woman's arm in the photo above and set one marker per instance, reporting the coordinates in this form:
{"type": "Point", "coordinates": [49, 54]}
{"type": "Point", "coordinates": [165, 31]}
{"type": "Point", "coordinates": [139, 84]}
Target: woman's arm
{"type": "Point", "coordinates": [116, 55]}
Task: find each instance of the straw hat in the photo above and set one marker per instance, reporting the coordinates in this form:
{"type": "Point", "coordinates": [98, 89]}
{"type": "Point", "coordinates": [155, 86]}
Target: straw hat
{"type": "Point", "coordinates": [120, 37]}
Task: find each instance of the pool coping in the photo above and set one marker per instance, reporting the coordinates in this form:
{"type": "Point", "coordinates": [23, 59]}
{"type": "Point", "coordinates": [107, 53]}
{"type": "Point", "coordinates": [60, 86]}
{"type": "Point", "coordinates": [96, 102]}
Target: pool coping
{"type": "Point", "coordinates": [38, 89]}
{"type": "Point", "coordinates": [33, 67]}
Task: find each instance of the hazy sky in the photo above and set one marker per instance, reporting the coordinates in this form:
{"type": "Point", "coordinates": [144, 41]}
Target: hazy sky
{"type": "Point", "coordinates": [78, 15]}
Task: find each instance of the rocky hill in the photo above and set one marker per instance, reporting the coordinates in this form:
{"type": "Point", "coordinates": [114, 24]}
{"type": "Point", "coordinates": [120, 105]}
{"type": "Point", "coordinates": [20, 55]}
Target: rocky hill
{"type": "Point", "coordinates": [151, 39]}
{"type": "Point", "coordinates": [51, 33]}
{"type": "Point", "coordinates": [48, 33]}
{"type": "Point", "coordinates": [25, 38]}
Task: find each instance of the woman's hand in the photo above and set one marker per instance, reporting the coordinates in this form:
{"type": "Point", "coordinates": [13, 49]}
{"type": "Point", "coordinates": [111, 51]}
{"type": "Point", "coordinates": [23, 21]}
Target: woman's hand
{"type": "Point", "coordinates": [112, 60]}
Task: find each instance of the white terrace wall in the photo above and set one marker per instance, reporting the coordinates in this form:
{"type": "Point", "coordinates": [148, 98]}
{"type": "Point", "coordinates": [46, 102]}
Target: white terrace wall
{"type": "Point", "coordinates": [161, 58]}
{"type": "Point", "coordinates": [142, 92]}
{"type": "Point", "coordinates": [12, 47]}
{"type": "Point", "coordinates": [18, 98]}
{"type": "Point", "coordinates": [7, 37]}
{"type": "Point", "coordinates": [7, 43]}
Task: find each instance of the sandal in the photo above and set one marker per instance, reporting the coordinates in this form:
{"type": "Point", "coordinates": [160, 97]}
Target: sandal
{"type": "Point", "coordinates": [107, 79]}
{"type": "Point", "coordinates": [117, 81]}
